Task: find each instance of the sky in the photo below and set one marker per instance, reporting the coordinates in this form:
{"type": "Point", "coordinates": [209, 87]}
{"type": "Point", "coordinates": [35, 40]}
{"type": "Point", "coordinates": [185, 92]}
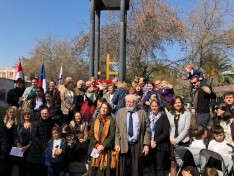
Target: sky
{"type": "Point", "coordinates": [24, 22]}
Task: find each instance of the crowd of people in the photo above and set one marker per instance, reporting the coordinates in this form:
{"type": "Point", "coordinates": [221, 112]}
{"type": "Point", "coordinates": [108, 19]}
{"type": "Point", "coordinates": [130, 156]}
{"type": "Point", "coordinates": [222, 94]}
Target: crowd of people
{"type": "Point", "coordinates": [142, 125]}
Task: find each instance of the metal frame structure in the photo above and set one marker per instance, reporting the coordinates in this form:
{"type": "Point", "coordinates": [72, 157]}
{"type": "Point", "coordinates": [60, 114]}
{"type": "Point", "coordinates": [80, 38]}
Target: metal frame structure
{"type": "Point", "coordinates": [94, 54]}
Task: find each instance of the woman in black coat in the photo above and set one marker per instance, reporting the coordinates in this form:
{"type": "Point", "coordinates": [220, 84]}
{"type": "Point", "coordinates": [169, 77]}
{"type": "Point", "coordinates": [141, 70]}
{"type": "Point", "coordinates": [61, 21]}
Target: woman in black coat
{"type": "Point", "coordinates": [22, 138]}
{"type": "Point", "coordinates": [4, 152]}
{"type": "Point", "coordinates": [159, 125]}
{"type": "Point", "coordinates": [41, 134]}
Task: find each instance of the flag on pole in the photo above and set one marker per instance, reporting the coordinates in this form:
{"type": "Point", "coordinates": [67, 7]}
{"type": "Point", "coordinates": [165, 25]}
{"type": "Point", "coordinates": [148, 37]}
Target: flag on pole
{"type": "Point", "coordinates": [19, 73]}
{"type": "Point", "coordinates": [42, 79]}
{"type": "Point", "coordinates": [60, 76]}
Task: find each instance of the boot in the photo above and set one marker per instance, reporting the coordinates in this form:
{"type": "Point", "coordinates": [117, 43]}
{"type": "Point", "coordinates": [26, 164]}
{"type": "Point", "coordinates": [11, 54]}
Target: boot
{"type": "Point", "coordinates": [87, 173]}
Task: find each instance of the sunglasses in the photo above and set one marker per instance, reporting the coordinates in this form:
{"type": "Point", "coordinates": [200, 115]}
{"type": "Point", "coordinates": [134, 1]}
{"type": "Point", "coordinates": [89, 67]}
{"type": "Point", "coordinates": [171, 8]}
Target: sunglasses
{"type": "Point", "coordinates": [27, 114]}
{"type": "Point", "coordinates": [193, 83]}
{"type": "Point", "coordinates": [216, 108]}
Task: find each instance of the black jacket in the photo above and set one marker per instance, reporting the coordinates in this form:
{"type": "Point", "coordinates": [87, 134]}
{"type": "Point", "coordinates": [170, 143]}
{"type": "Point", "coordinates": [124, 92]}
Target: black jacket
{"type": "Point", "coordinates": [14, 95]}
{"type": "Point", "coordinates": [4, 146]}
{"type": "Point", "coordinates": [40, 135]}
{"type": "Point", "coordinates": [161, 135]}
{"type": "Point", "coordinates": [204, 100]}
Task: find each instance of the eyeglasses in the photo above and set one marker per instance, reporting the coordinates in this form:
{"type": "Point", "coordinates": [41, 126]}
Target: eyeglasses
{"type": "Point", "coordinates": [27, 114]}
{"type": "Point", "coordinates": [216, 108]}
{"type": "Point", "coordinates": [193, 83]}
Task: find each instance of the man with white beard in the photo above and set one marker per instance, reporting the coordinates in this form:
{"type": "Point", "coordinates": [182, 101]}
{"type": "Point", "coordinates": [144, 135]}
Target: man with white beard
{"type": "Point", "coordinates": [132, 137]}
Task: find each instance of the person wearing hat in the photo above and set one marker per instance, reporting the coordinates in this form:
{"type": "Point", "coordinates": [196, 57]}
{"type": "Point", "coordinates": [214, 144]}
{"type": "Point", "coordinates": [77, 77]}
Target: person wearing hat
{"type": "Point", "coordinates": [14, 94]}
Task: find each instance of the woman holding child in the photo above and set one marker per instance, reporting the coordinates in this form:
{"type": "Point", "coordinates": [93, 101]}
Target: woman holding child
{"type": "Point", "coordinates": [179, 120]}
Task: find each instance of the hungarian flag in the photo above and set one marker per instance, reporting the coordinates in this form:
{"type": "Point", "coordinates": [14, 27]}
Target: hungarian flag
{"type": "Point", "coordinates": [60, 76]}
{"type": "Point", "coordinates": [19, 73]}
{"type": "Point", "coordinates": [42, 79]}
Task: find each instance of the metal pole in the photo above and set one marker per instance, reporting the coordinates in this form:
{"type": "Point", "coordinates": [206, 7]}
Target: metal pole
{"type": "Point", "coordinates": [122, 62]}
{"type": "Point", "coordinates": [92, 38]}
{"type": "Point", "coordinates": [97, 44]}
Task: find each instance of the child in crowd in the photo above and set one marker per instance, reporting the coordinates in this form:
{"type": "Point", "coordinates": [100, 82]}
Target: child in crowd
{"type": "Point", "coordinates": [187, 171]}
{"type": "Point", "coordinates": [199, 135]}
{"type": "Point", "coordinates": [218, 144]}
{"type": "Point", "coordinates": [71, 142]}
{"type": "Point", "coordinates": [194, 72]}
{"type": "Point", "coordinates": [55, 152]}
{"type": "Point", "coordinates": [210, 172]}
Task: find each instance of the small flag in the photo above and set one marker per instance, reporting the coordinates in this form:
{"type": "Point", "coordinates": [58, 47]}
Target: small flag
{"type": "Point", "coordinates": [60, 76]}
{"type": "Point", "coordinates": [19, 73]}
{"type": "Point", "coordinates": [42, 79]}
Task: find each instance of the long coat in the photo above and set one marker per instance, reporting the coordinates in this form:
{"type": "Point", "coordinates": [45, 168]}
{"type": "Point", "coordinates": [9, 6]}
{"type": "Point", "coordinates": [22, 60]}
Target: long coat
{"type": "Point", "coordinates": [108, 144]}
{"type": "Point", "coordinates": [40, 134]}
{"type": "Point", "coordinates": [121, 130]}
{"type": "Point", "coordinates": [65, 101]}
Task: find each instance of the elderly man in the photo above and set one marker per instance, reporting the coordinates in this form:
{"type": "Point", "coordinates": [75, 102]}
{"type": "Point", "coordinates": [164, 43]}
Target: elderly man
{"type": "Point", "coordinates": [132, 137]}
{"type": "Point", "coordinates": [79, 92]}
{"type": "Point", "coordinates": [201, 100]}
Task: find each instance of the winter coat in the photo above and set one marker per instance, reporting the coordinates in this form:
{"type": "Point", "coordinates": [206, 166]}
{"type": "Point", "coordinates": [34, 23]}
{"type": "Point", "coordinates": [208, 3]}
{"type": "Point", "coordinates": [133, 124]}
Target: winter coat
{"type": "Point", "coordinates": [40, 135]}
{"type": "Point", "coordinates": [48, 154]}
{"type": "Point", "coordinates": [119, 99]}
{"type": "Point", "coordinates": [14, 95]}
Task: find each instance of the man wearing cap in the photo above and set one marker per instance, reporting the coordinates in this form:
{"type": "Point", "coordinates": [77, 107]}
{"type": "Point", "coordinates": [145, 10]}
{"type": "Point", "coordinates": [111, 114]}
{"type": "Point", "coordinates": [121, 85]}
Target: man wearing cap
{"type": "Point", "coordinates": [14, 94]}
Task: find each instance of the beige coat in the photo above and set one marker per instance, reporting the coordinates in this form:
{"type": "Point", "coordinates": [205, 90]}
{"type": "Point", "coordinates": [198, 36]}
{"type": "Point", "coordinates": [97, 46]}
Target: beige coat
{"type": "Point", "coordinates": [65, 101]}
{"type": "Point", "coordinates": [121, 130]}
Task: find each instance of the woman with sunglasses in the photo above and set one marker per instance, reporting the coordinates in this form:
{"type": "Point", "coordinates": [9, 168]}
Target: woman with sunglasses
{"type": "Point", "coordinates": [225, 117]}
{"type": "Point", "coordinates": [22, 138]}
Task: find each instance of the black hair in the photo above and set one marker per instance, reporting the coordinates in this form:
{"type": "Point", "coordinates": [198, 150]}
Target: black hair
{"type": "Point", "coordinates": [150, 82]}
{"type": "Point", "coordinates": [217, 129]}
{"type": "Point", "coordinates": [53, 81]}
{"type": "Point", "coordinates": [34, 79]}
{"type": "Point", "coordinates": [102, 100]}
{"type": "Point", "coordinates": [49, 93]}
{"type": "Point", "coordinates": [41, 89]}
{"type": "Point", "coordinates": [227, 94]}
{"type": "Point", "coordinates": [228, 114]}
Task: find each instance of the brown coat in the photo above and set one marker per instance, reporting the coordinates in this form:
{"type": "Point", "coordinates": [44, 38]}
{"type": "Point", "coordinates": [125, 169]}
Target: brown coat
{"type": "Point", "coordinates": [121, 130]}
{"type": "Point", "coordinates": [65, 101]}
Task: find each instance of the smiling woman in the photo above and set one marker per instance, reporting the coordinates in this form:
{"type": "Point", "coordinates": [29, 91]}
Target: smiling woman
{"type": "Point", "coordinates": [179, 119]}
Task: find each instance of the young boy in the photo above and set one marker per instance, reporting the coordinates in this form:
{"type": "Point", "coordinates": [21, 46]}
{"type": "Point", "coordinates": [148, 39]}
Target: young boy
{"type": "Point", "coordinates": [194, 72]}
{"type": "Point", "coordinates": [199, 134]}
{"type": "Point", "coordinates": [218, 144]}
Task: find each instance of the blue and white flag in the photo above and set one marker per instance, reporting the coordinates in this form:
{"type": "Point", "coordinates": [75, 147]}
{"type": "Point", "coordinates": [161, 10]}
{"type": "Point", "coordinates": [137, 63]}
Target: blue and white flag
{"type": "Point", "coordinates": [60, 76]}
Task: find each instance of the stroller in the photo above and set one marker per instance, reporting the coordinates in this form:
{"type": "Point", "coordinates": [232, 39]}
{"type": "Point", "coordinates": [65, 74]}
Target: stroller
{"type": "Point", "coordinates": [212, 159]}
{"type": "Point", "coordinates": [188, 156]}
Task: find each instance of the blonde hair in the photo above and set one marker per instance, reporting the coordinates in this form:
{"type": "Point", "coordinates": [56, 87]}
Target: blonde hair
{"type": "Point", "coordinates": [67, 82]}
{"type": "Point", "coordinates": [92, 78]}
{"type": "Point", "coordinates": [167, 83]}
{"type": "Point", "coordinates": [6, 118]}
{"type": "Point", "coordinates": [28, 110]}
{"type": "Point", "coordinates": [122, 85]}
{"type": "Point", "coordinates": [191, 66]}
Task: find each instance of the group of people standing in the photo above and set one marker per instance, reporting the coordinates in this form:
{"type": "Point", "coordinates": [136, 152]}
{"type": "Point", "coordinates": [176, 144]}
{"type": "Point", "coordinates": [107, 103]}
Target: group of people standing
{"type": "Point", "coordinates": [144, 124]}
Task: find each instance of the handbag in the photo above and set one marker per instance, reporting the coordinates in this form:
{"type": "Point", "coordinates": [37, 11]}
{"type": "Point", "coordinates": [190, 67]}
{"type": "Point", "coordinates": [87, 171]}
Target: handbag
{"type": "Point", "coordinates": [26, 104]}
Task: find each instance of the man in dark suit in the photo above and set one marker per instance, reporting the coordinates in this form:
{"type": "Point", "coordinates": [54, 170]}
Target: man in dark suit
{"type": "Point", "coordinates": [132, 137]}
{"type": "Point", "coordinates": [202, 96]}
{"type": "Point", "coordinates": [14, 94]}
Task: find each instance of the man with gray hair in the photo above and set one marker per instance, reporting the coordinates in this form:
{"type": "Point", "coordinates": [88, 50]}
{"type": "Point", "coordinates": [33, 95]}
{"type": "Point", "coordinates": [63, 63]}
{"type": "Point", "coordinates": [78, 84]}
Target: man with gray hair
{"type": "Point", "coordinates": [79, 92]}
{"type": "Point", "coordinates": [132, 137]}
